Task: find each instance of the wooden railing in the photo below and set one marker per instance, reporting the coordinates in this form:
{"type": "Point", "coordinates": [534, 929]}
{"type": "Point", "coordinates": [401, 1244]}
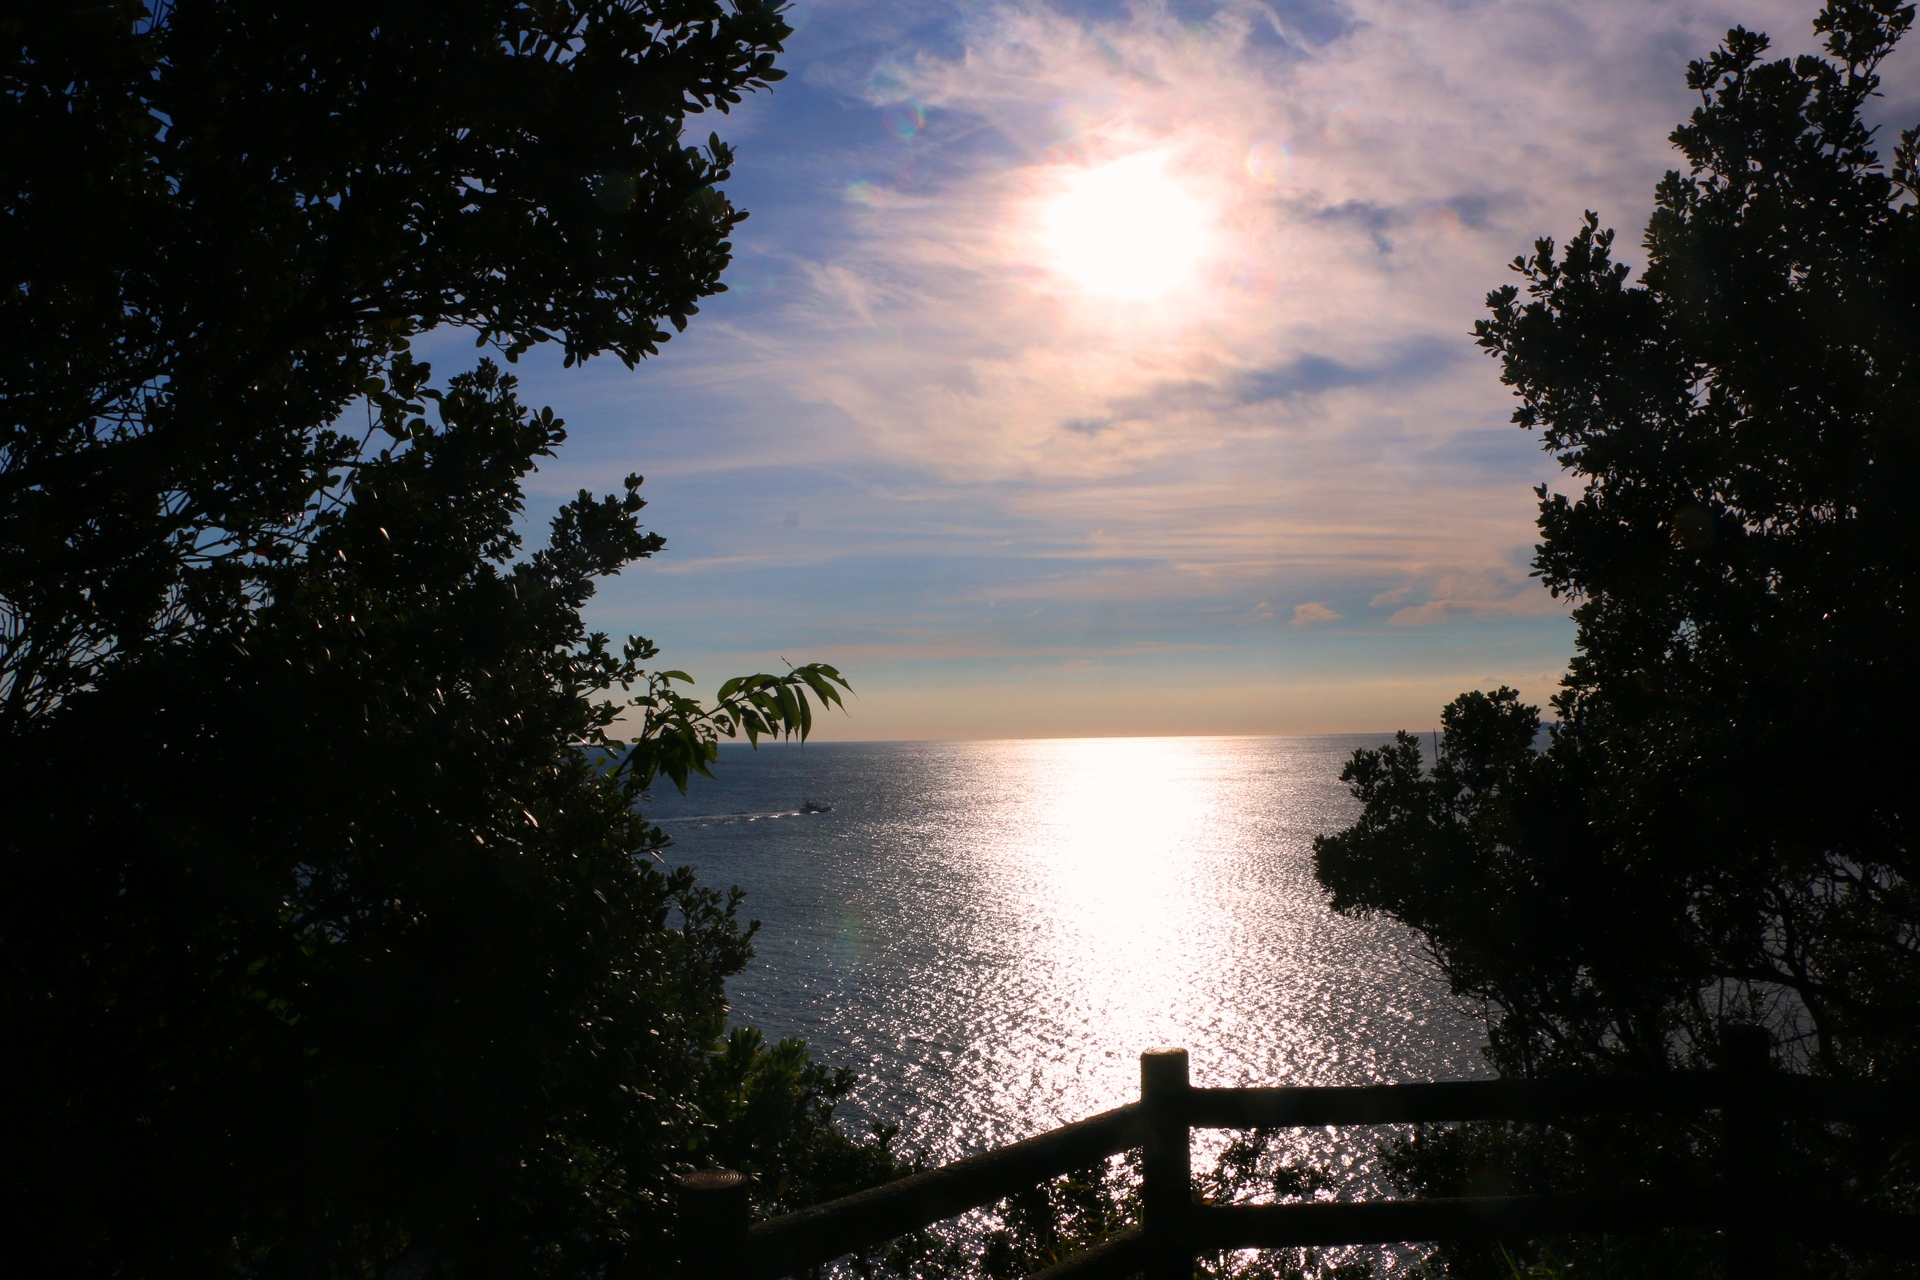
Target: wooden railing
{"type": "Point", "coordinates": [720, 1243]}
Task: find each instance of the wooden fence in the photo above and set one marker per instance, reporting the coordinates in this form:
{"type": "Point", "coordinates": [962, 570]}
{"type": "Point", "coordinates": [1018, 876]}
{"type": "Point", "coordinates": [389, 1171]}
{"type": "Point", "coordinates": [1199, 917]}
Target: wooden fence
{"type": "Point", "coordinates": [720, 1243]}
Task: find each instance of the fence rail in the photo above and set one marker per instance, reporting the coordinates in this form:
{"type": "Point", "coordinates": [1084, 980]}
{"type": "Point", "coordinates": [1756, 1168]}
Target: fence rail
{"type": "Point", "coordinates": [809, 1237]}
{"type": "Point", "coordinates": [719, 1242]}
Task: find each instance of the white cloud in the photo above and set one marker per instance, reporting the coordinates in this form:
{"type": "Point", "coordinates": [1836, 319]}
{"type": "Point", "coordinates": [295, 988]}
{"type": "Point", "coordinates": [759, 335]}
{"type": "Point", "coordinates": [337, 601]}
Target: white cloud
{"type": "Point", "coordinates": [955, 394]}
{"type": "Point", "coordinates": [1363, 195]}
{"type": "Point", "coordinates": [1314, 612]}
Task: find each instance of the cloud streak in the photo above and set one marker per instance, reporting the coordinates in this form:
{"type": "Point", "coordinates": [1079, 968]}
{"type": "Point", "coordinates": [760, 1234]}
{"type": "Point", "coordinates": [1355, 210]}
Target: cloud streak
{"type": "Point", "coordinates": [1313, 613]}
{"type": "Point", "coordinates": [959, 402]}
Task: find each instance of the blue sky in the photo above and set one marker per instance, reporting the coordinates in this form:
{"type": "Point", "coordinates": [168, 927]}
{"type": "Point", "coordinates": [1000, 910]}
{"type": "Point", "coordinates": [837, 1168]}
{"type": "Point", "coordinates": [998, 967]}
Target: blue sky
{"type": "Point", "coordinates": [1101, 369]}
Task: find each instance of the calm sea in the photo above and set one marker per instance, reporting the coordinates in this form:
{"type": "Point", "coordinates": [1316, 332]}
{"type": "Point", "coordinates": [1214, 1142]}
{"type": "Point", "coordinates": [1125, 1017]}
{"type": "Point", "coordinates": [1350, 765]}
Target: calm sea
{"type": "Point", "coordinates": [989, 933]}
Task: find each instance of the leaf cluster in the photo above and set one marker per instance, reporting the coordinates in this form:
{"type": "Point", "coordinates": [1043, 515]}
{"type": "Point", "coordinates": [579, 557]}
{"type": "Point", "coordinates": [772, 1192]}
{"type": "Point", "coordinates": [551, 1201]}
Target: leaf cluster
{"type": "Point", "coordinates": [1492, 856]}
{"type": "Point", "coordinates": [767, 1111]}
{"type": "Point", "coordinates": [350, 952]}
{"type": "Point", "coordinates": [1743, 550]}
{"type": "Point", "coordinates": [333, 939]}
{"type": "Point", "coordinates": [1061, 1218]}
{"type": "Point", "coordinates": [222, 220]}
{"type": "Point", "coordinates": [1720, 827]}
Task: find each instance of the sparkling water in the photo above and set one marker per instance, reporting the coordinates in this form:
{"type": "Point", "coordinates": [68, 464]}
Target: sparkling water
{"type": "Point", "coordinates": [989, 933]}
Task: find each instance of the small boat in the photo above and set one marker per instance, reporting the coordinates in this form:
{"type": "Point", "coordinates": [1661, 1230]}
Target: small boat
{"type": "Point", "coordinates": [815, 806]}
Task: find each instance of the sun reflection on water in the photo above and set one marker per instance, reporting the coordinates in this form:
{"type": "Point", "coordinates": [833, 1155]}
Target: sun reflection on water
{"type": "Point", "coordinates": [990, 933]}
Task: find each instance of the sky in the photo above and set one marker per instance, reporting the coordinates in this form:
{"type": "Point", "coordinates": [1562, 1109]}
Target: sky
{"type": "Point", "coordinates": [1098, 369]}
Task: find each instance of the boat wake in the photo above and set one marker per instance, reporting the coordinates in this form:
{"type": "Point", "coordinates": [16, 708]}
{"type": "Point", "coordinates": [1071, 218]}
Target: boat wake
{"type": "Point", "coordinates": [802, 812]}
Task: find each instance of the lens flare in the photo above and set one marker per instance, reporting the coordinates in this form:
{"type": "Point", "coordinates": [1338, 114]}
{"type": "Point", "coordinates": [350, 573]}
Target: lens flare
{"type": "Point", "coordinates": [1342, 127]}
{"type": "Point", "coordinates": [1266, 161]}
{"type": "Point", "coordinates": [903, 119]}
{"type": "Point", "coordinates": [1126, 230]}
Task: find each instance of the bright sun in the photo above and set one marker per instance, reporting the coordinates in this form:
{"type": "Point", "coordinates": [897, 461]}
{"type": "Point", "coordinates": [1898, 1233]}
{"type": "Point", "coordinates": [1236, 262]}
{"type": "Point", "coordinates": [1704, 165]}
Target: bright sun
{"type": "Point", "coordinates": [1125, 230]}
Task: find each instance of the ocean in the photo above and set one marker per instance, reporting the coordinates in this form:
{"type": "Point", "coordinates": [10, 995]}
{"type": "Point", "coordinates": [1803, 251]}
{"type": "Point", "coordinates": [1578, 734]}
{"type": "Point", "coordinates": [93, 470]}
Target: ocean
{"type": "Point", "coordinates": [989, 933]}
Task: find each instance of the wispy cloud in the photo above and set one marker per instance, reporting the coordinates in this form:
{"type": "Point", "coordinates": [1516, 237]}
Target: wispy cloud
{"type": "Point", "coordinates": [922, 367]}
{"type": "Point", "coordinates": [1313, 613]}
{"type": "Point", "coordinates": [1361, 193]}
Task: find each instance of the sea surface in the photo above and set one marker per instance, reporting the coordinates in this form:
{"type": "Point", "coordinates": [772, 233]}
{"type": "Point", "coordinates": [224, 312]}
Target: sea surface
{"type": "Point", "coordinates": [990, 933]}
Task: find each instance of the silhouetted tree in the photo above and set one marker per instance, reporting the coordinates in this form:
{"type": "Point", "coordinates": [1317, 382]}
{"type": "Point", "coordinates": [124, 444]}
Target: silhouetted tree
{"type": "Point", "coordinates": [331, 942]}
{"type": "Point", "coordinates": [1720, 829]}
{"type": "Point", "coordinates": [223, 218]}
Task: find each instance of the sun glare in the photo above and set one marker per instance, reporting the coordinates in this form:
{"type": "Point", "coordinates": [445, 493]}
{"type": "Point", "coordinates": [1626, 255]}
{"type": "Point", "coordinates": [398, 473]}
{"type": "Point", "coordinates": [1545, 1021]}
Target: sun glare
{"type": "Point", "coordinates": [1126, 230]}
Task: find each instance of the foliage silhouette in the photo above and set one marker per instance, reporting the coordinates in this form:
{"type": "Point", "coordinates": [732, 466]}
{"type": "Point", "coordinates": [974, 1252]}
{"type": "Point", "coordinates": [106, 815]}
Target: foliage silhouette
{"type": "Point", "coordinates": [333, 943]}
{"type": "Point", "coordinates": [224, 221]}
{"type": "Point", "coordinates": [1719, 829]}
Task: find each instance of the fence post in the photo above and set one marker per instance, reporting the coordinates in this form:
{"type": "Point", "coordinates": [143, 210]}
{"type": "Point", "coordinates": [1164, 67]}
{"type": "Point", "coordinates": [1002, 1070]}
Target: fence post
{"type": "Point", "coordinates": [1166, 1171]}
{"type": "Point", "coordinates": [1748, 1137]}
{"type": "Point", "coordinates": [713, 1223]}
